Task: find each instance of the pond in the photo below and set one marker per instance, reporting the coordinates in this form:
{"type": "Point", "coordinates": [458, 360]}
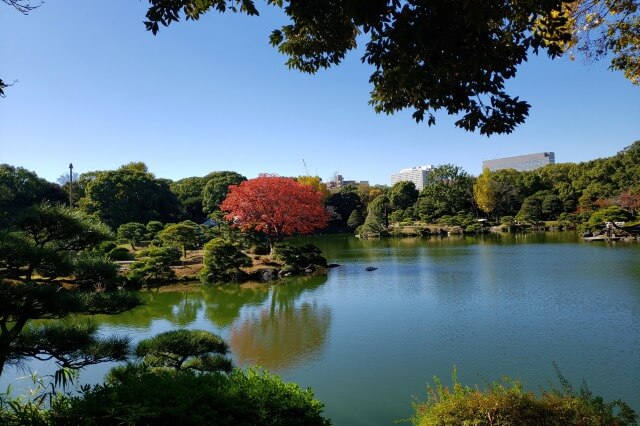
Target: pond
{"type": "Point", "coordinates": [369, 343]}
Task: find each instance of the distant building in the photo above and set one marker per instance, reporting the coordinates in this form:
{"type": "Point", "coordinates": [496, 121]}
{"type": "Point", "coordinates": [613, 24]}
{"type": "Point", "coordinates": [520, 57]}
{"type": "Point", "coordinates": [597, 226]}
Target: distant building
{"type": "Point", "coordinates": [418, 175]}
{"type": "Point", "coordinates": [521, 163]}
{"type": "Point", "coordinates": [338, 182]}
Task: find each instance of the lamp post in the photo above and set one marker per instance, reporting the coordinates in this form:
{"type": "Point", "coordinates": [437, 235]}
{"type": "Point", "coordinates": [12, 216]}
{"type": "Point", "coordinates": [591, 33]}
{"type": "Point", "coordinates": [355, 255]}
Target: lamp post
{"type": "Point", "coordinates": [70, 185]}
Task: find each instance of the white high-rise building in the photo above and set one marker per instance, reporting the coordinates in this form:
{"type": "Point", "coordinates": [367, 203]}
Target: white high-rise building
{"type": "Point", "coordinates": [418, 175]}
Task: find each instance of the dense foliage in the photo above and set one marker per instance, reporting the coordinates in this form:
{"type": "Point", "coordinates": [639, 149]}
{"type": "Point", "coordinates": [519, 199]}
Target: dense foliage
{"type": "Point", "coordinates": [299, 256]}
{"type": "Point", "coordinates": [182, 349]}
{"type": "Point", "coordinates": [49, 269]}
{"type": "Point", "coordinates": [128, 194]}
{"type": "Point", "coordinates": [186, 235]}
{"type": "Point", "coordinates": [275, 206]}
{"type": "Point", "coordinates": [20, 188]}
{"type": "Point", "coordinates": [153, 266]}
{"type": "Point", "coordinates": [139, 396]}
{"type": "Point", "coordinates": [567, 193]}
{"type": "Point", "coordinates": [222, 262]}
{"type": "Point", "coordinates": [506, 403]}
{"type": "Point", "coordinates": [427, 56]}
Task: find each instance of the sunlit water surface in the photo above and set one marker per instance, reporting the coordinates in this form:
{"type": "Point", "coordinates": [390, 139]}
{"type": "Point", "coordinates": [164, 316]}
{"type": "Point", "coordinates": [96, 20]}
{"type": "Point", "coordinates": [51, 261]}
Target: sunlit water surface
{"type": "Point", "coordinates": [368, 343]}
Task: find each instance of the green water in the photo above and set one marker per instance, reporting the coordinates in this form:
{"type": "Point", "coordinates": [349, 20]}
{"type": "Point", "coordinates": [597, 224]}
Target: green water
{"type": "Point", "coordinates": [368, 343]}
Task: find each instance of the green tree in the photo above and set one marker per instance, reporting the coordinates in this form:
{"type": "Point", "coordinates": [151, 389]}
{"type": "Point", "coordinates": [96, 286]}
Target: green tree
{"type": "Point", "coordinates": [609, 214]}
{"type": "Point", "coordinates": [129, 194]}
{"type": "Point", "coordinates": [222, 261]}
{"type": "Point", "coordinates": [49, 270]}
{"type": "Point", "coordinates": [182, 349]}
{"type": "Point", "coordinates": [133, 232]}
{"type": "Point", "coordinates": [396, 216]}
{"type": "Point", "coordinates": [403, 195]}
{"type": "Point", "coordinates": [20, 189]}
{"type": "Point", "coordinates": [189, 193]}
{"type": "Point", "coordinates": [342, 203]}
{"type": "Point", "coordinates": [531, 210]}
{"type": "Point", "coordinates": [378, 214]}
{"type": "Point", "coordinates": [152, 229]}
{"type": "Point", "coordinates": [299, 257]}
{"type": "Point", "coordinates": [186, 235]}
{"type": "Point", "coordinates": [217, 187]}
{"type": "Point", "coordinates": [551, 205]}
{"type": "Point", "coordinates": [153, 265]}
{"type": "Point", "coordinates": [355, 219]}
{"type": "Point", "coordinates": [448, 191]}
{"type": "Point", "coordinates": [426, 55]}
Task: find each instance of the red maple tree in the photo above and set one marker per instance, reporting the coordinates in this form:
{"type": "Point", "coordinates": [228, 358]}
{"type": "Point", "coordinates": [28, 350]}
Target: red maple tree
{"type": "Point", "coordinates": [276, 206]}
{"type": "Point", "coordinates": [630, 200]}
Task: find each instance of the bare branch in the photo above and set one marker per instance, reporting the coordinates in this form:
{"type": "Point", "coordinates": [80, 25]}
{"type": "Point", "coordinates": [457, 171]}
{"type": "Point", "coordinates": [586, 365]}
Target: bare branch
{"type": "Point", "coordinates": [23, 6]}
{"type": "Point", "coordinates": [3, 85]}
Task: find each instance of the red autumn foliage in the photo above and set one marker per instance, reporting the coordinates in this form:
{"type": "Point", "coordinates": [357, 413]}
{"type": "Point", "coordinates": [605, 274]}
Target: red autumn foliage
{"type": "Point", "coordinates": [630, 200]}
{"type": "Point", "coordinates": [276, 206]}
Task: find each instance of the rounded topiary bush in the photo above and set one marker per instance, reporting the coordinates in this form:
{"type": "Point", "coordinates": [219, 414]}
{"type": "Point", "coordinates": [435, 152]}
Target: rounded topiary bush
{"type": "Point", "coordinates": [106, 246]}
{"type": "Point", "coordinates": [120, 253]}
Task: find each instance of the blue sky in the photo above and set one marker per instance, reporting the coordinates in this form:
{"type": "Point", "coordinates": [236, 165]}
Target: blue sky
{"type": "Point", "coordinates": [94, 88]}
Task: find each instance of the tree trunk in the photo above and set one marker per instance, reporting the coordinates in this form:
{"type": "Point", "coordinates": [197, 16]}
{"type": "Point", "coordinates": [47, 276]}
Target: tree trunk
{"type": "Point", "coordinates": [6, 337]}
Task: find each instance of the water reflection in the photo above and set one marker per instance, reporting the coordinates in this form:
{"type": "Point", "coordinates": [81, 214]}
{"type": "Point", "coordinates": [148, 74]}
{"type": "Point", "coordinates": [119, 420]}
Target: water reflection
{"type": "Point", "coordinates": [179, 308]}
{"type": "Point", "coordinates": [223, 303]}
{"type": "Point", "coordinates": [285, 332]}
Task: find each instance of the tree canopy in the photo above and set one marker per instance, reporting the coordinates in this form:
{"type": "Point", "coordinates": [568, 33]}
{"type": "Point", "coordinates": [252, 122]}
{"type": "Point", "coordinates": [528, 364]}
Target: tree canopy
{"type": "Point", "coordinates": [448, 191]}
{"type": "Point", "coordinates": [429, 56]}
{"type": "Point", "coordinates": [48, 271]}
{"type": "Point", "coordinates": [216, 188]}
{"type": "Point", "coordinates": [21, 188]}
{"type": "Point", "coordinates": [198, 350]}
{"type": "Point", "coordinates": [403, 194]}
{"type": "Point", "coordinates": [128, 194]}
{"type": "Point", "coordinates": [454, 56]}
{"type": "Point", "coordinates": [607, 29]}
{"type": "Point", "coordinates": [185, 234]}
{"type": "Point", "coordinates": [276, 206]}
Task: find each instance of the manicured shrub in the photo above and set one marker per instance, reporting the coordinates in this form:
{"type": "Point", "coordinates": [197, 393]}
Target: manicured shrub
{"type": "Point", "coordinates": [299, 257]}
{"type": "Point", "coordinates": [95, 272]}
{"type": "Point", "coordinates": [120, 253]}
{"type": "Point", "coordinates": [106, 246]}
{"type": "Point", "coordinates": [183, 349]}
{"type": "Point", "coordinates": [222, 262]}
{"type": "Point", "coordinates": [132, 232]}
{"type": "Point", "coordinates": [154, 266]}
{"type": "Point", "coordinates": [152, 229]}
{"type": "Point", "coordinates": [136, 395]}
{"type": "Point", "coordinates": [608, 214]}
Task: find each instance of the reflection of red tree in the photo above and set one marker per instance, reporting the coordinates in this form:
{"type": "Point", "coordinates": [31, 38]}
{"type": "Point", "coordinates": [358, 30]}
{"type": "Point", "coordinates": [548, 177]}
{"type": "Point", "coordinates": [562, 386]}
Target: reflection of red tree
{"type": "Point", "coordinates": [282, 339]}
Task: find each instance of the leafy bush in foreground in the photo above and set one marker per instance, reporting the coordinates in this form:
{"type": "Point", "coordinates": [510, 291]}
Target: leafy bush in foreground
{"type": "Point", "coordinates": [506, 403]}
{"type": "Point", "coordinates": [138, 396]}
